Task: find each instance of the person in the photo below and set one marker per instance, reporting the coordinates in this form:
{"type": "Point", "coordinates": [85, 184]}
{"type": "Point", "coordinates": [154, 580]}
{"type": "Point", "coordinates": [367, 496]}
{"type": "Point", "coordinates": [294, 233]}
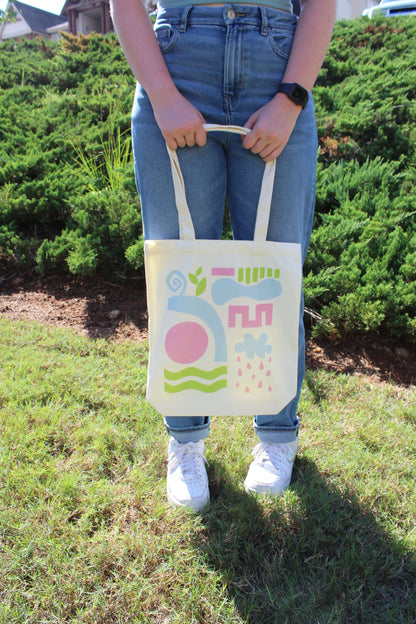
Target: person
{"type": "Point", "coordinates": [248, 64]}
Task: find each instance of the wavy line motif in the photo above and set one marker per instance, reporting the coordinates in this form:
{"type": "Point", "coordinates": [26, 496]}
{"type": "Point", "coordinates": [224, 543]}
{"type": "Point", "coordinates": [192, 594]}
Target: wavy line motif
{"type": "Point", "coordinates": [192, 371]}
{"type": "Point", "coordinates": [196, 385]}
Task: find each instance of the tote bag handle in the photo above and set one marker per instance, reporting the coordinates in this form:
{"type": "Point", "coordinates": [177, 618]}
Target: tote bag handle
{"type": "Point", "coordinates": [186, 227]}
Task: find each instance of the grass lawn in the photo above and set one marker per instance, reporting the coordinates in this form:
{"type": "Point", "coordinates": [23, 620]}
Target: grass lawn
{"type": "Point", "coordinates": [87, 536]}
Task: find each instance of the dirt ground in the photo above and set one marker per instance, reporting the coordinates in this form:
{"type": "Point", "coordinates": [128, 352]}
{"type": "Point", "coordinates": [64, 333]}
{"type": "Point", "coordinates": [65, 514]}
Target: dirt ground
{"type": "Point", "coordinates": [100, 309]}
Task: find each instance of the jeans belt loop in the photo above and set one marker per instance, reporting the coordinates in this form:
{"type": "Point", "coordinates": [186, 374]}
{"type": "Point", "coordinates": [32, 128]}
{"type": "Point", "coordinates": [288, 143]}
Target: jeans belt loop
{"type": "Point", "coordinates": [184, 19]}
{"type": "Point", "coordinates": [264, 21]}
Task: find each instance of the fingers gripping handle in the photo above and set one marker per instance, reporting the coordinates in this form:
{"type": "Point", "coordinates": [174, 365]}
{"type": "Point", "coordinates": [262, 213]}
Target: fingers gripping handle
{"type": "Point", "coordinates": [186, 228]}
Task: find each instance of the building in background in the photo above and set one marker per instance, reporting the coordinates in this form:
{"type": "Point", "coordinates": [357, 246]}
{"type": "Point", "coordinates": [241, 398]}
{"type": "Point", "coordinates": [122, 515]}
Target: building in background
{"type": "Point", "coordinates": [27, 21]}
{"type": "Point", "coordinates": [86, 16]}
{"type": "Point", "coordinates": [77, 17]}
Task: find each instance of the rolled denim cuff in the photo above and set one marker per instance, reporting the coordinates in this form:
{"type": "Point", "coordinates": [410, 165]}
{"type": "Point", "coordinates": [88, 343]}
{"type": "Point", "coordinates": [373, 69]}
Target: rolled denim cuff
{"type": "Point", "coordinates": [187, 433]}
{"type": "Point", "coordinates": [278, 434]}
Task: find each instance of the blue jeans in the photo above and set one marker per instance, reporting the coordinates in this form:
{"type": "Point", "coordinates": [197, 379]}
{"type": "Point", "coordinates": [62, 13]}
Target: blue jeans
{"type": "Point", "coordinates": [228, 61]}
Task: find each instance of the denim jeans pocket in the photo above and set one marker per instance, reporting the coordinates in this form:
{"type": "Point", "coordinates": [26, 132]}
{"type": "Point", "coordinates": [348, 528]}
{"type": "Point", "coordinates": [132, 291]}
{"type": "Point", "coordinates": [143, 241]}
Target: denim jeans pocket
{"type": "Point", "coordinates": [166, 37]}
{"type": "Point", "coordinates": [280, 41]}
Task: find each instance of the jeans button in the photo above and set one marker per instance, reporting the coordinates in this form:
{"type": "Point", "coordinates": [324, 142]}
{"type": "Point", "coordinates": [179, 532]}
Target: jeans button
{"type": "Point", "coordinates": [230, 14]}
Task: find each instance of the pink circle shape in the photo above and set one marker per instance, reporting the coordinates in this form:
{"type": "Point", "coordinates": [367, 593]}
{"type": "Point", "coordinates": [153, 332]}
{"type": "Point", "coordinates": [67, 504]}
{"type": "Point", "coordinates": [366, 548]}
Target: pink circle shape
{"type": "Point", "coordinates": [186, 342]}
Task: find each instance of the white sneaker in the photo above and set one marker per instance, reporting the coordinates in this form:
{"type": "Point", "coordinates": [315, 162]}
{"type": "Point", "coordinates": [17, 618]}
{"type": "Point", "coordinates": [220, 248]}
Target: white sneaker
{"type": "Point", "coordinates": [187, 482]}
{"type": "Point", "coordinates": [271, 470]}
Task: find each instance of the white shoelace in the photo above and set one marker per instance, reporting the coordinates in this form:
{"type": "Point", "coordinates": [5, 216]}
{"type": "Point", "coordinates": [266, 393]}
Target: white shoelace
{"type": "Point", "coordinates": [271, 453]}
{"type": "Point", "coordinates": [188, 458]}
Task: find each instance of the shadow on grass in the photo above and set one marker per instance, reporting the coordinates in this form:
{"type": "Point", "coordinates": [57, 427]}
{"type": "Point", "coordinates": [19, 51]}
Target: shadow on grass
{"type": "Point", "coordinates": [312, 557]}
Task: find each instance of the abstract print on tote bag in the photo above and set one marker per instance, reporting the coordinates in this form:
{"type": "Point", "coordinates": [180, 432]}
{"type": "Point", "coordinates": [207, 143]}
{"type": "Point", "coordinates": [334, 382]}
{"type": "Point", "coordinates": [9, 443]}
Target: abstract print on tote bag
{"type": "Point", "coordinates": [223, 317]}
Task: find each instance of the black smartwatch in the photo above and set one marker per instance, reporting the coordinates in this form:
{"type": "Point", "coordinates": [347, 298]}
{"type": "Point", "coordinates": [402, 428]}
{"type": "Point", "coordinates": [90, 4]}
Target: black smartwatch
{"type": "Point", "coordinates": [295, 92]}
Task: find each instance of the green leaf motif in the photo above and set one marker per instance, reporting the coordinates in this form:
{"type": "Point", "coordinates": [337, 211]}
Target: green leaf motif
{"type": "Point", "coordinates": [201, 287]}
{"type": "Point", "coordinates": [198, 271]}
{"type": "Point", "coordinates": [193, 278]}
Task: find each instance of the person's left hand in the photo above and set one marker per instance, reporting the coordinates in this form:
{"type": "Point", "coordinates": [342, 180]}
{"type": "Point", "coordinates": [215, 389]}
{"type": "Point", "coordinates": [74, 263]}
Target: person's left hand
{"type": "Point", "coordinates": [271, 127]}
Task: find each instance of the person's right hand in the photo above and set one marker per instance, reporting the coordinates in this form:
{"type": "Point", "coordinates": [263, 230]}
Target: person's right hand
{"type": "Point", "coordinates": [179, 121]}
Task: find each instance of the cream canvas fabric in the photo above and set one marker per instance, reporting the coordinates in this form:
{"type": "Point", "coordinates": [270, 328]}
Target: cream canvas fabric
{"type": "Point", "coordinates": [223, 317]}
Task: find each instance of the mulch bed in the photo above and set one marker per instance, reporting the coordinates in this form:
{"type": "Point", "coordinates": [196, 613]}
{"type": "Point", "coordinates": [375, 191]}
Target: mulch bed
{"type": "Point", "coordinates": [101, 309]}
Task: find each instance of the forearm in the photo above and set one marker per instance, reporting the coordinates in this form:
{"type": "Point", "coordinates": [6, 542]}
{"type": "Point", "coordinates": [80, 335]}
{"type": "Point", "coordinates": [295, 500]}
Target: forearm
{"type": "Point", "coordinates": [273, 124]}
{"type": "Point", "coordinates": [311, 42]}
{"type": "Point", "coordinates": [179, 121]}
{"type": "Point", "coordinates": [135, 32]}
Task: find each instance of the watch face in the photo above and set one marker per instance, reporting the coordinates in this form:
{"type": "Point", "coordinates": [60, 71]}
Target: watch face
{"type": "Point", "coordinates": [299, 93]}
{"type": "Point", "coordinates": [295, 92]}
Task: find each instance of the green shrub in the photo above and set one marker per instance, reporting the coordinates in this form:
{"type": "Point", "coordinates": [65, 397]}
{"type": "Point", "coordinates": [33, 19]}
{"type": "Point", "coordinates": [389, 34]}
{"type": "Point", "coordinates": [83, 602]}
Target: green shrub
{"type": "Point", "coordinates": [66, 178]}
{"type": "Point", "coordinates": [102, 228]}
{"type": "Point", "coordinates": [360, 271]}
{"type": "Point", "coordinates": [68, 200]}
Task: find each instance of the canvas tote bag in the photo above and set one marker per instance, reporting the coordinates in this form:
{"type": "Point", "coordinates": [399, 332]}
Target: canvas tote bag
{"type": "Point", "coordinates": [223, 316]}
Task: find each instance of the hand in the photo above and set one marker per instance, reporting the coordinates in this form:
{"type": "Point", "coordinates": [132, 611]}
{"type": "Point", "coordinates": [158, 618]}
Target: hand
{"type": "Point", "coordinates": [179, 121]}
{"type": "Point", "coordinates": [271, 127]}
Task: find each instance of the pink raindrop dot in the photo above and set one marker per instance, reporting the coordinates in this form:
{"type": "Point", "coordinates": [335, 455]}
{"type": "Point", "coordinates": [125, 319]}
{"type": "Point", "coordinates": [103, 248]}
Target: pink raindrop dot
{"type": "Point", "coordinates": [238, 359]}
{"type": "Point", "coordinates": [247, 389]}
{"type": "Point", "coordinates": [237, 384]}
{"type": "Point", "coordinates": [260, 384]}
{"type": "Point", "coordinates": [249, 365]}
{"type": "Point", "coordinates": [270, 388]}
{"type": "Point", "coordinates": [268, 373]}
{"type": "Point", "coordinates": [253, 376]}
{"type": "Point", "coordinates": [261, 365]}
{"type": "Point", "coordinates": [240, 372]}
{"type": "Point", "coordinates": [270, 359]}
